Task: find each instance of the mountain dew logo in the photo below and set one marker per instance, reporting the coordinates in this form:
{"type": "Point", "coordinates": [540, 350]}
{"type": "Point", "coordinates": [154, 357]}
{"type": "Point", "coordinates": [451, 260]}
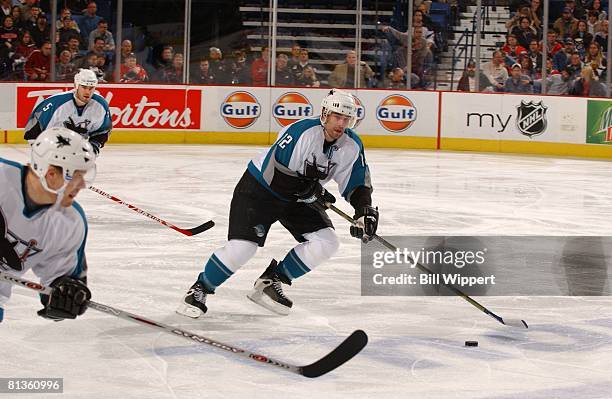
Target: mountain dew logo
{"type": "Point", "coordinates": [599, 122]}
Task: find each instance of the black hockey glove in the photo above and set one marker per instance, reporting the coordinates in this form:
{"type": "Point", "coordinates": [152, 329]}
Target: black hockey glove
{"type": "Point", "coordinates": [367, 223]}
{"type": "Point", "coordinates": [68, 300]}
{"type": "Point", "coordinates": [313, 193]}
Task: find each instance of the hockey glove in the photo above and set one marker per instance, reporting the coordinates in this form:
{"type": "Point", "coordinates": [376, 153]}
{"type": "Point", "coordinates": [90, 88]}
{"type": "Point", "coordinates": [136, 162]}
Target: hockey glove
{"type": "Point", "coordinates": [68, 300]}
{"type": "Point", "coordinates": [313, 193]}
{"type": "Point", "coordinates": [366, 224]}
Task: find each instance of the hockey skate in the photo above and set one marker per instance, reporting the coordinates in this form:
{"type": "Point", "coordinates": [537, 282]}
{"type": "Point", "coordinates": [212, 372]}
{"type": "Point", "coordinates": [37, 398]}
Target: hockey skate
{"type": "Point", "coordinates": [194, 301]}
{"type": "Point", "coordinates": [268, 291]}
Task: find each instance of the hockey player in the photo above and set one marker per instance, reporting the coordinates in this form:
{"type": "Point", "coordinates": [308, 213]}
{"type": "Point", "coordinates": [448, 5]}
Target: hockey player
{"type": "Point", "coordinates": [80, 110]}
{"type": "Point", "coordinates": [285, 185]}
{"type": "Point", "coordinates": [42, 228]}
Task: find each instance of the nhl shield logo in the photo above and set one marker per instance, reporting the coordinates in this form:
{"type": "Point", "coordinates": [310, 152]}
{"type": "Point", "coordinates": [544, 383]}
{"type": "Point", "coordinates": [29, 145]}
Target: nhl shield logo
{"type": "Point", "coordinates": [531, 118]}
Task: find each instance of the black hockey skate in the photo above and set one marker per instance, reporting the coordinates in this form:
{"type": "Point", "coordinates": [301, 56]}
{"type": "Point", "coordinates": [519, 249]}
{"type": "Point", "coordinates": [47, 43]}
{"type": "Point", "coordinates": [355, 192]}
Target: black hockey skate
{"type": "Point", "coordinates": [268, 291]}
{"type": "Point", "coordinates": [194, 301]}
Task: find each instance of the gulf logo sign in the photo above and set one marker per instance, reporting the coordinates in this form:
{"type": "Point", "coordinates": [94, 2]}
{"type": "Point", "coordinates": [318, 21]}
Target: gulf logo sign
{"type": "Point", "coordinates": [360, 111]}
{"type": "Point", "coordinates": [396, 113]}
{"type": "Point", "coordinates": [240, 109]}
{"type": "Point", "coordinates": [291, 107]}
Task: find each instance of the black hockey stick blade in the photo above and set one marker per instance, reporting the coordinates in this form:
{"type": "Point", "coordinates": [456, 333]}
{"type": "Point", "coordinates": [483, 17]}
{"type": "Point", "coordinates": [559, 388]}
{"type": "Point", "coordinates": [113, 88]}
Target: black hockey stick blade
{"type": "Point", "coordinates": [344, 352]}
{"type": "Point", "coordinates": [199, 229]}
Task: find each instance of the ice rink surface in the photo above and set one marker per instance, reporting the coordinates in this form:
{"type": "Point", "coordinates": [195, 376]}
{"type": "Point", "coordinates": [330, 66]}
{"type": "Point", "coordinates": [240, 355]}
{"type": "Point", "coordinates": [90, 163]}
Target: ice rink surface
{"type": "Point", "coordinates": [416, 347]}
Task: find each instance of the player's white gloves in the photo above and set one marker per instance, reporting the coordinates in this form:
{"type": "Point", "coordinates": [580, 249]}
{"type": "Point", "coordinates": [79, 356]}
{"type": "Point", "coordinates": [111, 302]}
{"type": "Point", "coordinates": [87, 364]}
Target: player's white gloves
{"type": "Point", "coordinates": [366, 223]}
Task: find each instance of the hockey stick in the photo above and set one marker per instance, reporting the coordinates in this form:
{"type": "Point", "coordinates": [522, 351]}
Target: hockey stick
{"type": "Point", "coordinates": [508, 322]}
{"type": "Point", "coordinates": [351, 346]}
{"type": "Point", "coordinates": [188, 232]}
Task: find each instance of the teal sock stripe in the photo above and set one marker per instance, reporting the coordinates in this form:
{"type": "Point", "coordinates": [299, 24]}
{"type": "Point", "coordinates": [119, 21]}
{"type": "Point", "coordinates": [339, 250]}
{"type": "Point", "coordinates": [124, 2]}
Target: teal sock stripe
{"type": "Point", "coordinates": [292, 266]}
{"type": "Point", "coordinates": [215, 273]}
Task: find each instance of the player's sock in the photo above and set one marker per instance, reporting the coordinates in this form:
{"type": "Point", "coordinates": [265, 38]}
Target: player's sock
{"type": "Point", "coordinates": [292, 266]}
{"type": "Point", "coordinates": [268, 291]}
{"type": "Point", "coordinates": [215, 273]}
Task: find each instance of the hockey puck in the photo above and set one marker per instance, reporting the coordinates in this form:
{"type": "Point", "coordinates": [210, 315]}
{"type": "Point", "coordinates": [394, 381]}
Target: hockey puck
{"type": "Point", "coordinates": [471, 343]}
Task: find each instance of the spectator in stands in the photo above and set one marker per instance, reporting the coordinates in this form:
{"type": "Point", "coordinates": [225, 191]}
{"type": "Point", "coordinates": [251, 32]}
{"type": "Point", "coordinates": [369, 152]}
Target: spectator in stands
{"type": "Point", "coordinates": [104, 74]}
{"type": "Point", "coordinates": [419, 19]}
{"type": "Point", "coordinates": [582, 37]}
{"type": "Point", "coordinates": [395, 79]}
{"type": "Point", "coordinates": [218, 67]}
{"type": "Point", "coordinates": [295, 55]}
{"type": "Point", "coordinates": [535, 55]}
{"type": "Point", "coordinates": [496, 72]}
{"type": "Point", "coordinates": [596, 6]}
{"type": "Point", "coordinates": [517, 82]}
{"type": "Point", "coordinates": [202, 74]}
{"type": "Point", "coordinates": [559, 84]}
{"type": "Point", "coordinates": [67, 27]}
{"type": "Point", "coordinates": [26, 9]}
{"type": "Point", "coordinates": [418, 33]}
{"type": "Point", "coordinates": [8, 34]}
{"type": "Point", "coordinates": [65, 68]}
{"type": "Point", "coordinates": [297, 69]}
{"type": "Point", "coordinates": [308, 78]}
{"type": "Point", "coordinates": [131, 71]}
{"type": "Point", "coordinates": [344, 74]}
{"type": "Point", "coordinates": [17, 20]}
{"type": "Point", "coordinates": [283, 76]}
{"type": "Point", "coordinates": [596, 60]}
{"type": "Point", "coordinates": [575, 8]}
{"type": "Point", "coordinates": [575, 65]}
{"type": "Point", "coordinates": [5, 7]}
{"type": "Point", "coordinates": [73, 47]}
{"type": "Point", "coordinates": [164, 61]}
{"type": "Point", "coordinates": [5, 64]}
{"type": "Point", "coordinates": [516, 19]}
{"type": "Point", "coordinates": [126, 49]}
{"type": "Point", "coordinates": [524, 32]}
{"type": "Point", "coordinates": [259, 69]}
{"type": "Point", "coordinates": [536, 14]}
{"type": "Point", "coordinates": [593, 22]}
{"type": "Point", "coordinates": [468, 79]}
{"type": "Point", "coordinates": [240, 69]}
{"type": "Point", "coordinates": [601, 37]}
{"type": "Point", "coordinates": [98, 48]}
{"type": "Point", "coordinates": [42, 31]}
{"type": "Point", "coordinates": [512, 48]}
{"type": "Point", "coordinates": [174, 74]}
{"type": "Point", "coordinates": [527, 67]}
{"type": "Point", "coordinates": [422, 60]}
{"type": "Point", "coordinates": [566, 24]}
{"type": "Point", "coordinates": [562, 57]}
{"type": "Point", "coordinates": [25, 46]}
{"type": "Point", "coordinates": [38, 65]}
{"type": "Point", "coordinates": [31, 22]}
{"type": "Point", "coordinates": [103, 32]}
{"type": "Point", "coordinates": [587, 85]}
{"type": "Point", "coordinates": [552, 45]}
{"type": "Point", "coordinates": [89, 21]}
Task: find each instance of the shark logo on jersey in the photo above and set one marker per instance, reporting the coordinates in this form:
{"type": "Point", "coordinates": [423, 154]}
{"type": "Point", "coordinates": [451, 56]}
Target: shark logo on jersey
{"type": "Point", "coordinates": [314, 170]}
{"type": "Point", "coordinates": [14, 251]}
{"type": "Point", "coordinates": [80, 127]}
{"type": "Point", "coordinates": [62, 141]}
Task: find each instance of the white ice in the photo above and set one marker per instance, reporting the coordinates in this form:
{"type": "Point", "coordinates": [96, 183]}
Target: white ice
{"type": "Point", "coordinates": [416, 347]}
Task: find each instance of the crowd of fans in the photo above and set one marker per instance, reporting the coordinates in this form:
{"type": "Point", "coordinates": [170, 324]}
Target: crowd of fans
{"type": "Point", "coordinates": [577, 44]}
{"type": "Point", "coordinates": [576, 64]}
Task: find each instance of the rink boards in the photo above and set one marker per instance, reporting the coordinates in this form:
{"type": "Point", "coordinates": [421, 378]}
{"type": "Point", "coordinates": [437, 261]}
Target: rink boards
{"type": "Point", "coordinates": [176, 114]}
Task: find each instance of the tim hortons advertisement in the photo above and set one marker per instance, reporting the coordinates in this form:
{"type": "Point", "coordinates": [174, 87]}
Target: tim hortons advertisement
{"type": "Point", "coordinates": [131, 107]}
{"type": "Point", "coordinates": [513, 117]}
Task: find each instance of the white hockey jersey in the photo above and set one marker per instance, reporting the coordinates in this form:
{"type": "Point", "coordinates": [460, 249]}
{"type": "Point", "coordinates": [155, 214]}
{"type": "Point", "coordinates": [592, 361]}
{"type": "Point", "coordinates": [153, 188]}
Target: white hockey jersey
{"type": "Point", "coordinates": [60, 110]}
{"type": "Point", "coordinates": [300, 149]}
{"type": "Point", "coordinates": [50, 241]}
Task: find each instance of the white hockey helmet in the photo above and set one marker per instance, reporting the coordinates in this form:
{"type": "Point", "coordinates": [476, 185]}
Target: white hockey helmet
{"type": "Point", "coordinates": [66, 149]}
{"type": "Point", "coordinates": [340, 102]}
{"type": "Point", "coordinates": [85, 77]}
